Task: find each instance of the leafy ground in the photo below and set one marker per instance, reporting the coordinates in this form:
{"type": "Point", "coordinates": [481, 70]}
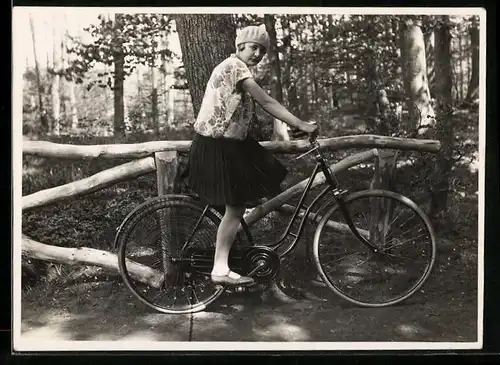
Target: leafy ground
{"type": "Point", "coordinates": [88, 303]}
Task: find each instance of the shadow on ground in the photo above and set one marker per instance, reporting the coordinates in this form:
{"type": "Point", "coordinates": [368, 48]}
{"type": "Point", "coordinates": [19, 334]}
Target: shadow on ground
{"type": "Point", "coordinates": [106, 311]}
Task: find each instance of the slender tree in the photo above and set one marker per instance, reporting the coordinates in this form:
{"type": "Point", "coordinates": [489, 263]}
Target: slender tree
{"type": "Point", "coordinates": [473, 89]}
{"type": "Point", "coordinates": [280, 130]}
{"type": "Point", "coordinates": [444, 127]}
{"type": "Point", "coordinates": [70, 82]}
{"type": "Point", "coordinates": [56, 79]}
{"type": "Point", "coordinates": [154, 98]}
{"type": "Point", "coordinates": [429, 55]}
{"type": "Point", "coordinates": [43, 114]}
{"type": "Point", "coordinates": [289, 61]}
{"type": "Point", "coordinates": [119, 78]}
{"type": "Point", "coordinates": [461, 71]}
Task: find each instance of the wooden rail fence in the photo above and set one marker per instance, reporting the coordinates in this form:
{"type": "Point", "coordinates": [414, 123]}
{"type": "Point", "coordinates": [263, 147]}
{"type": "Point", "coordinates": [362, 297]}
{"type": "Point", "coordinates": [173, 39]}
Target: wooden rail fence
{"type": "Point", "coordinates": [162, 157]}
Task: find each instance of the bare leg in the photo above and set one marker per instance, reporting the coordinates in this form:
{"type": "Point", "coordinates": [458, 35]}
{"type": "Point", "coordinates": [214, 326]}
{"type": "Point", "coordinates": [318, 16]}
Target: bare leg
{"type": "Point", "coordinates": [226, 234]}
{"type": "Point", "coordinates": [225, 237]}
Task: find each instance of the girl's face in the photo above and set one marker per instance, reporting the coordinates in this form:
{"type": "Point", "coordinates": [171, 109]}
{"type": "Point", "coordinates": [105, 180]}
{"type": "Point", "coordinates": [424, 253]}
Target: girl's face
{"type": "Point", "coordinates": [252, 53]}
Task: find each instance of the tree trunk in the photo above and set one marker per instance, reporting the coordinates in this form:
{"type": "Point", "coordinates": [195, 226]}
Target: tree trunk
{"type": "Point", "coordinates": [154, 100]}
{"type": "Point", "coordinates": [139, 80]}
{"type": "Point", "coordinates": [429, 56]}
{"type": "Point", "coordinates": [169, 92]}
{"type": "Point", "coordinates": [119, 78]}
{"type": "Point", "coordinates": [56, 80]}
{"type": "Point", "coordinates": [444, 128]}
{"type": "Point", "coordinates": [473, 89]}
{"type": "Point", "coordinates": [460, 79]}
{"type": "Point", "coordinates": [205, 40]}
{"type": "Point", "coordinates": [303, 91]}
{"type": "Point", "coordinates": [70, 83]}
{"type": "Point", "coordinates": [43, 118]}
{"type": "Point", "coordinates": [288, 82]}
{"type": "Point", "coordinates": [72, 103]}
{"type": "Point", "coordinates": [415, 77]}
{"type": "Point", "coordinates": [370, 72]}
{"type": "Point", "coordinates": [280, 130]}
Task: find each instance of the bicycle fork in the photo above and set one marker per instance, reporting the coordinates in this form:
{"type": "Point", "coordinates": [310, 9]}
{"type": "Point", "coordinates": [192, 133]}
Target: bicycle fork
{"type": "Point", "coordinates": [338, 195]}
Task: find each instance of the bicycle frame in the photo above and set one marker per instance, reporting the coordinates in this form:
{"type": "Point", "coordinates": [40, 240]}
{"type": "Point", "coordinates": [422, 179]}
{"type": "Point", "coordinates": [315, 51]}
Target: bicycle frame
{"type": "Point", "coordinates": [332, 187]}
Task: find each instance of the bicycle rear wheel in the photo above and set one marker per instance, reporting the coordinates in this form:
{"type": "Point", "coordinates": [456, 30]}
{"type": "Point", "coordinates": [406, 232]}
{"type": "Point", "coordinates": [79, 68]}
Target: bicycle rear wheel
{"type": "Point", "coordinates": [404, 241]}
{"type": "Point", "coordinates": [152, 241]}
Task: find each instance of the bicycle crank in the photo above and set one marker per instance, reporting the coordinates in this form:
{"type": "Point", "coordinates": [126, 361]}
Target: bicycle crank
{"type": "Point", "coordinates": [262, 263]}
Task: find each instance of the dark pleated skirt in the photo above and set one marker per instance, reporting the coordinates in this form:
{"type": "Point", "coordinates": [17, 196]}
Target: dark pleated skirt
{"type": "Point", "coordinates": [233, 172]}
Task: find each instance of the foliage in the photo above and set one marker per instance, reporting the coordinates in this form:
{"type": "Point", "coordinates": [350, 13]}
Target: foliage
{"type": "Point", "coordinates": [329, 63]}
{"type": "Point", "coordinates": [140, 37]}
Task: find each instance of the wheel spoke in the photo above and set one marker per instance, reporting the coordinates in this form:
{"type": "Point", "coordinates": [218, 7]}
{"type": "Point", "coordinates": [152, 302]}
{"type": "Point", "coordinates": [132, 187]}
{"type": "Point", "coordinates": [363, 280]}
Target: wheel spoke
{"type": "Point", "coordinates": [400, 243]}
{"type": "Point", "coordinates": [379, 279]}
{"type": "Point", "coordinates": [154, 242]}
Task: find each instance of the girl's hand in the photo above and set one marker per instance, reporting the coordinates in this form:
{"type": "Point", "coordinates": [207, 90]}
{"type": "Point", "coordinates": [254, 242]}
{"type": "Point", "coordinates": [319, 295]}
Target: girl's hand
{"type": "Point", "coordinates": [311, 128]}
{"type": "Point", "coordinates": [305, 129]}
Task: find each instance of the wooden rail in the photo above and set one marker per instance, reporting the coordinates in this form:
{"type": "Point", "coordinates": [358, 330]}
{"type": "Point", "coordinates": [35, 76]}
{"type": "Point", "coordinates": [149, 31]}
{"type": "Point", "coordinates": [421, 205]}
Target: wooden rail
{"type": "Point", "coordinates": [162, 157]}
{"type": "Point", "coordinates": [138, 150]}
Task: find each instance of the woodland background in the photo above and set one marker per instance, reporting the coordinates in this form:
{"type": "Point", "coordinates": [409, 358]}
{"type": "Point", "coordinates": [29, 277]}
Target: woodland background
{"type": "Point", "coordinates": [126, 78]}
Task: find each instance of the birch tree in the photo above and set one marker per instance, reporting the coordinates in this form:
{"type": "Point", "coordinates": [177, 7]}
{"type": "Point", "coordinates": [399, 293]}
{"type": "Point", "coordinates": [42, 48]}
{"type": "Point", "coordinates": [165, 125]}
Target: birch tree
{"type": "Point", "coordinates": [415, 76]}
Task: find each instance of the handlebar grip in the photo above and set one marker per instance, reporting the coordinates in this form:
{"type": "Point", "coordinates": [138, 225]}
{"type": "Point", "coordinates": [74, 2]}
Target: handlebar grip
{"type": "Point", "coordinates": [297, 133]}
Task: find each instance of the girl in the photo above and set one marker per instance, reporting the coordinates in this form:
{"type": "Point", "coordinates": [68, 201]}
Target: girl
{"type": "Point", "coordinates": [226, 167]}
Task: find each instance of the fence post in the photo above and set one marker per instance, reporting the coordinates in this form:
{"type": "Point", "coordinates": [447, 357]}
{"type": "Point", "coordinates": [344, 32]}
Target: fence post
{"type": "Point", "coordinates": [167, 164]}
{"type": "Point", "coordinates": [381, 211]}
{"type": "Point", "coordinates": [166, 177]}
{"type": "Point", "coordinates": [385, 166]}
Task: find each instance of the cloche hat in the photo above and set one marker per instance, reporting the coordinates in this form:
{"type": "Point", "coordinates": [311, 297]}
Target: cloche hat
{"type": "Point", "coordinates": [254, 33]}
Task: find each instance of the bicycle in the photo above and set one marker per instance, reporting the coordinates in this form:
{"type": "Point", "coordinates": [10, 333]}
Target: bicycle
{"type": "Point", "coordinates": [178, 233]}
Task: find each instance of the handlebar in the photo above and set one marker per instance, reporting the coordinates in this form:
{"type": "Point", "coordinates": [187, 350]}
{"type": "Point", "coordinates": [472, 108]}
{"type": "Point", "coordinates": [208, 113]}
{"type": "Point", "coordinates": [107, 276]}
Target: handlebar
{"type": "Point", "coordinates": [314, 145]}
{"type": "Point", "coordinates": [301, 134]}
{"type": "Point", "coordinates": [297, 133]}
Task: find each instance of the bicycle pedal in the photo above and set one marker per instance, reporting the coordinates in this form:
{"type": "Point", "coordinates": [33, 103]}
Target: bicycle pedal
{"type": "Point", "coordinates": [240, 289]}
{"type": "Point", "coordinates": [338, 193]}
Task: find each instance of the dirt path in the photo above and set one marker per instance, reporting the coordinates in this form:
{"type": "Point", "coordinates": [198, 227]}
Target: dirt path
{"type": "Point", "coordinates": [446, 310]}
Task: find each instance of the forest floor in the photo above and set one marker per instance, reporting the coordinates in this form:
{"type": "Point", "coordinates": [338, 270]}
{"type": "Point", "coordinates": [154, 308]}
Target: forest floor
{"type": "Point", "coordinates": [88, 303]}
{"type": "Point", "coordinates": [98, 307]}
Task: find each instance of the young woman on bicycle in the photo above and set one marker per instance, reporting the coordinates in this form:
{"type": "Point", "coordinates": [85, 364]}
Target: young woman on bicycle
{"type": "Point", "coordinates": [226, 167]}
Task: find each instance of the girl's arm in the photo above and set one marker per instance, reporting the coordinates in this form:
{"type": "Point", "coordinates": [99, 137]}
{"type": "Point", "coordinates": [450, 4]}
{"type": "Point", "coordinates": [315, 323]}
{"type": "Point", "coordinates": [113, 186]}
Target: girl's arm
{"type": "Point", "coordinates": [273, 107]}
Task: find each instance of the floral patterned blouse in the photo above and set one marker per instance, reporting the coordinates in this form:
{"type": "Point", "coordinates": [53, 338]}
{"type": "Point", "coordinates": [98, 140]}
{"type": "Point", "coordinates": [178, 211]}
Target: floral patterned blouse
{"type": "Point", "coordinates": [226, 110]}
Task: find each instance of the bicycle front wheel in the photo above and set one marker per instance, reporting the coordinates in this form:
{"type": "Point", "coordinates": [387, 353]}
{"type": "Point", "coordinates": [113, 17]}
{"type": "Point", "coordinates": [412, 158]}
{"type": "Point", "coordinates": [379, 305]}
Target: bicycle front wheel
{"type": "Point", "coordinates": [397, 265]}
{"type": "Point", "coordinates": [152, 245]}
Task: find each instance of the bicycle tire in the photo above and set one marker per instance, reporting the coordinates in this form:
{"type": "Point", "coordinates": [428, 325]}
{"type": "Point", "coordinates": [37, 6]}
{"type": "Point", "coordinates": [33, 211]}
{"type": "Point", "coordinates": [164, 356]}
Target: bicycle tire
{"type": "Point", "coordinates": [335, 286]}
{"type": "Point", "coordinates": [144, 211]}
